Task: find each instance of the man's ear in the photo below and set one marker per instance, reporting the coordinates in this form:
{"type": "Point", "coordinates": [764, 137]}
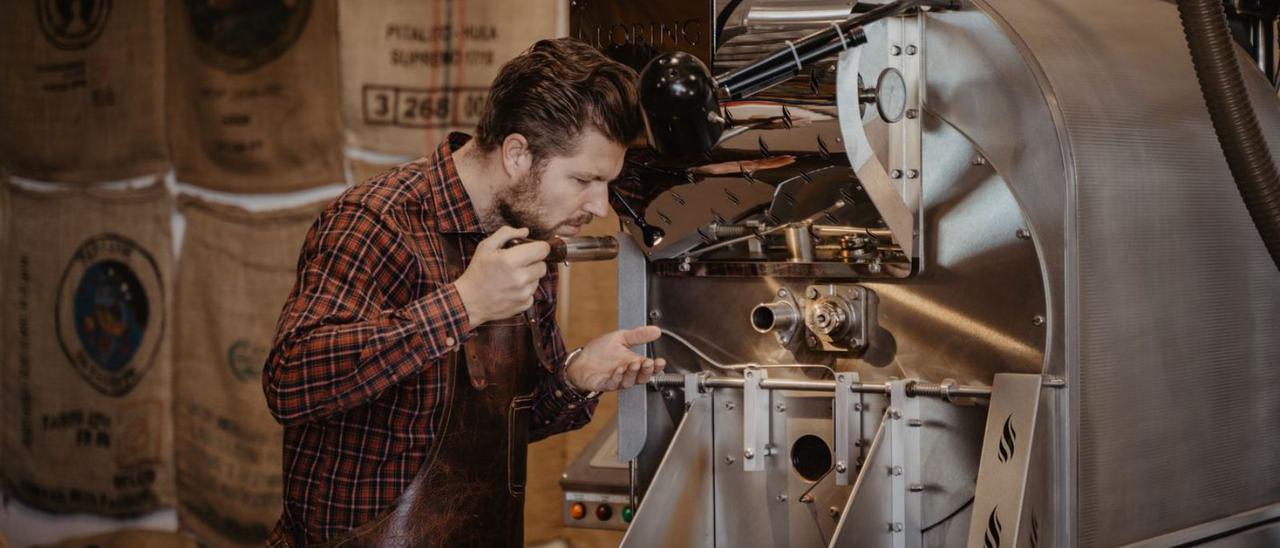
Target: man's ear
{"type": "Point", "coordinates": [517, 159]}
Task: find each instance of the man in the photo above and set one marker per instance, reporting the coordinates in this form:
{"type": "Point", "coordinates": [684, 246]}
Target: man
{"type": "Point", "coordinates": [418, 353]}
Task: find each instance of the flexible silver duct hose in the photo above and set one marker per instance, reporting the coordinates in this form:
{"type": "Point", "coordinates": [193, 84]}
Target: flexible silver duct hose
{"type": "Point", "coordinates": [1248, 156]}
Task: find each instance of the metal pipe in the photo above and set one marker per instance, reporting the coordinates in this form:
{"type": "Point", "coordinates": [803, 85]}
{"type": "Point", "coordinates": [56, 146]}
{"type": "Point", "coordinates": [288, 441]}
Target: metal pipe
{"type": "Point", "coordinates": [918, 389]}
{"type": "Point", "coordinates": [781, 316]}
{"type": "Point", "coordinates": [833, 231]}
{"type": "Point", "coordinates": [799, 244]}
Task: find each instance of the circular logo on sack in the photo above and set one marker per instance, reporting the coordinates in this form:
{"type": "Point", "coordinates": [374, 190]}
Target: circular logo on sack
{"type": "Point", "coordinates": [246, 359]}
{"type": "Point", "coordinates": [242, 35]}
{"type": "Point", "coordinates": [110, 313]}
{"type": "Point", "coordinates": [72, 24]}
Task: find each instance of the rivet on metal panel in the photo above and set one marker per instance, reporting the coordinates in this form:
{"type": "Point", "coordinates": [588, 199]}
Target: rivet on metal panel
{"type": "Point", "coordinates": [915, 422]}
{"type": "Point", "coordinates": [911, 50]}
{"type": "Point", "coordinates": [781, 407]}
{"type": "Point", "coordinates": [978, 161]}
{"type": "Point", "coordinates": [1037, 321]}
{"type": "Point", "coordinates": [897, 527]}
{"type": "Point", "coordinates": [857, 406]}
{"type": "Point", "coordinates": [1023, 234]}
{"type": "Point", "coordinates": [915, 487]}
{"type": "Point", "coordinates": [895, 414]}
{"type": "Point", "coordinates": [912, 113]}
{"type": "Point", "coordinates": [841, 468]}
{"type": "Point", "coordinates": [748, 454]}
{"type": "Point", "coordinates": [912, 174]}
{"type": "Point", "coordinates": [783, 292]}
{"type": "Point", "coordinates": [833, 512]}
{"type": "Point", "coordinates": [812, 293]}
{"type": "Point", "coordinates": [728, 459]}
{"type": "Point", "coordinates": [728, 406]}
{"type": "Point", "coordinates": [895, 471]}
{"type": "Point", "coordinates": [782, 497]}
{"type": "Point", "coordinates": [655, 314]}
{"type": "Point", "coordinates": [896, 174]}
{"type": "Point", "coordinates": [895, 50]}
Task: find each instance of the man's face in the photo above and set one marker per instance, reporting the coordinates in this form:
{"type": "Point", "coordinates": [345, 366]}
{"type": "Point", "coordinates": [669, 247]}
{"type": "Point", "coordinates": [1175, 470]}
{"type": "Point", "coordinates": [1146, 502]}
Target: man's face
{"type": "Point", "coordinates": [565, 192]}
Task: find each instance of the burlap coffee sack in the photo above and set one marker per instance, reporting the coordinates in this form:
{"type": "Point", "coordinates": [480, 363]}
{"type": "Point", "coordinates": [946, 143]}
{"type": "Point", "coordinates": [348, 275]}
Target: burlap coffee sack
{"type": "Point", "coordinates": [253, 94]}
{"type": "Point", "coordinates": [359, 170]}
{"type": "Point", "coordinates": [129, 539]}
{"type": "Point", "coordinates": [235, 272]}
{"type": "Point", "coordinates": [85, 381]}
{"type": "Point", "coordinates": [82, 89]}
{"type": "Point", "coordinates": [414, 70]}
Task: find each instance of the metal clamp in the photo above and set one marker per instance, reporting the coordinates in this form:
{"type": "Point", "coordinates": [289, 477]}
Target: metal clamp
{"type": "Point", "coordinates": [755, 420]}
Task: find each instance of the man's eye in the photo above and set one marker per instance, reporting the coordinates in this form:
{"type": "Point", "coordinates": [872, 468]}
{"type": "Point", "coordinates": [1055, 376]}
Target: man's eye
{"type": "Point", "coordinates": [582, 181]}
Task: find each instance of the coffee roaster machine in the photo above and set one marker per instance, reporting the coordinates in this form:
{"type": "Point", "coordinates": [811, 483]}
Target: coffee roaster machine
{"type": "Point", "coordinates": [963, 273]}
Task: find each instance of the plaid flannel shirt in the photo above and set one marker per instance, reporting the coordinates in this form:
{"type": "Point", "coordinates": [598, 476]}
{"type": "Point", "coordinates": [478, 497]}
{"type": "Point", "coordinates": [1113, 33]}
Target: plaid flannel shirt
{"type": "Point", "coordinates": [355, 372]}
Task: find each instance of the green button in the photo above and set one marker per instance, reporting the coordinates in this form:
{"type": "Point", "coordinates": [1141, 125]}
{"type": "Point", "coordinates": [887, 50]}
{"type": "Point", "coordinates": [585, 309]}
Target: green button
{"type": "Point", "coordinates": [627, 513]}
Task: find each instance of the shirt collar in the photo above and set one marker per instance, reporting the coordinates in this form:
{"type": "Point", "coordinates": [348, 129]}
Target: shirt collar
{"type": "Point", "coordinates": [454, 211]}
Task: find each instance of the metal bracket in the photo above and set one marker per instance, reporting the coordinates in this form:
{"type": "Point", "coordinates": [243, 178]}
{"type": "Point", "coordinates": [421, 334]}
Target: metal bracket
{"type": "Point", "coordinates": [1005, 464]}
{"type": "Point", "coordinates": [895, 191]}
{"type": "Point", "coordinates": [906, 54]}
{"type": "Point", "coordinates": [847, 411]}
{"type": "Point", "coordinates": [633, 305]}
{"type": "Point", "coordinates": [903, 423]}
{"type": "Point", "coordinates": [755, 421]}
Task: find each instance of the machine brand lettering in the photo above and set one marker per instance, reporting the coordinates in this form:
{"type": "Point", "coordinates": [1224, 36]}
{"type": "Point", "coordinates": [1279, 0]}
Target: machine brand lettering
{"type": "Point", "coordinates": [241, 35]}
{"type": "Point", "coordinates": [245, 360]}
{"type": "Point", "coordinates": [992, 537]}
{"type": "Point", "coordinates": [72, 24]}
{"type": "Point", "coordinates": [1007, 438]}
{"type": "Point", "coordinates": [659, 34]}
{"type": "Point", "coordinates": [110, 313]}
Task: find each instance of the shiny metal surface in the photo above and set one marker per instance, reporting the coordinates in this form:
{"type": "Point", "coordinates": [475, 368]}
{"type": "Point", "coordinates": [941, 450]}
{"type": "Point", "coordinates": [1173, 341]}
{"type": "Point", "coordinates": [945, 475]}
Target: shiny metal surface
{"type": "Point", "coordinates": [589, 248]}
{"type": "Point", "coordinates": [677, 509]}
{"type": "Point", "coordinates": [1142, 280]}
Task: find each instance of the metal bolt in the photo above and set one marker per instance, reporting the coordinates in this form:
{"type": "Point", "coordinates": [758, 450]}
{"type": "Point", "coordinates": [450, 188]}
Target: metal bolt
{"type": "Point", "coordinates": [781, 407]}
{"type": "Point", "coordinates": [911, 50]}
{"type": "Point", "coordinates": [669, 394]}
{"type": "Point", "coordinates": [1037, 320]}
{"type": "Point", "coordinates": [684, 267]}
{"type": "Point", "coordinates": [655, 314]}
{"type": "Point", "coordinates": [748, 454]}
{"type": "Point", "coordinates": [912, 174]}
{"type": "Point", "coordinates": [915, 422]}
{"type": "Point", "coordinates": [783, 292]}
{"type": "Point", "coordinates": [896, 174]}
{"type": "Point", "coordinates": [728, 406]}
{"type": "Point", "coordinates": [841, 468]}
{"type": "Point", "coordinates": [895, 50]}
{"type": "Point", "coordinates": [728, 459]}
{"type": "Point", "coordinates": [833, 512]}
{"type": "Point", "coordinates": [1023, 234]}
{"type": "Point", "coordinates": [859, 443]}
{"type": "Point", "coordinates": [895, 414]}
{"type": "Point", "coordinates": [978, 161]}
{"type": "Point", "coordinates": [857, 406]}
{"type": "Point", "coordinates": [915, 487]}
{"type": "Point", "coordinates": [897, 527]}
{"type": "Point", "coordinates": [861, 461]}
{"type": "Point", "coordinates": [813, 341]}
{"type": "Point", "coordinates": [782, 497]}
{"type": "Point", "coordinates": [812, 293]}
{"type": "Point", "coordinates": [912, 113]}
{"type": "Point", "coordinates": [895, 471]}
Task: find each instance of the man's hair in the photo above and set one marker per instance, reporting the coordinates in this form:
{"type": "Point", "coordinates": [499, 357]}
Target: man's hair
{"type": "Point", "coordinates": [551, 92]}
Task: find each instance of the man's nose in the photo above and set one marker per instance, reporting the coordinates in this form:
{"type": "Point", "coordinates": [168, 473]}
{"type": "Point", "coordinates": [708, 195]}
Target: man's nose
{"type": "Point", "coordinates": [598, 200]}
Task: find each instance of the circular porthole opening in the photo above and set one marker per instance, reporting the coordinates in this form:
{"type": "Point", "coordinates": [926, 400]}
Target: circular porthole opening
{"type": "Point", "coordinates": [811, 457]}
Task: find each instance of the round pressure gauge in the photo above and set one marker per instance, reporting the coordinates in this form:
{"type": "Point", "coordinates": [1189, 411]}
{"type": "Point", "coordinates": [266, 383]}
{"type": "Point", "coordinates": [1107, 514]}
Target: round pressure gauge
{"type": "Point", "coordinates": [891, 95]}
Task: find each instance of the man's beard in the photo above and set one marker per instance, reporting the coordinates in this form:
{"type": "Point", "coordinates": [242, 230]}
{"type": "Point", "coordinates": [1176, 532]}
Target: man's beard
{"type": "Point", "coordinates": [520, 206]}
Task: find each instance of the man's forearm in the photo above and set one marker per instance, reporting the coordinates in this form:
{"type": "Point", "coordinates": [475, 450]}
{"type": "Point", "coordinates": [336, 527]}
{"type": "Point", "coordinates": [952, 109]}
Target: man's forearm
{"type": "Point", "coordinates": [328, 365]}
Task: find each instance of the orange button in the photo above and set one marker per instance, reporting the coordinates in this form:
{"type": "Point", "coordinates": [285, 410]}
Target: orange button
{"type": "Point", "coordinates": [577, 510]}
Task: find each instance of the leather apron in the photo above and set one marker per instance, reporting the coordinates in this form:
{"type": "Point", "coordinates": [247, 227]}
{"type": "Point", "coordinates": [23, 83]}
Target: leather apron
{"type": "Point", "coordinates": [470, 490]}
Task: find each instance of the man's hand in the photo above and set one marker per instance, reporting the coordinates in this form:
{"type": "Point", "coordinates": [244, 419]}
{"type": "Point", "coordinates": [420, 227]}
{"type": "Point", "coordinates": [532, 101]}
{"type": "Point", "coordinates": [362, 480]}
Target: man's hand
{"type": "Point", "coordinates": [607, 363]}
{"type": "Point", "coordinates": [500, 283]}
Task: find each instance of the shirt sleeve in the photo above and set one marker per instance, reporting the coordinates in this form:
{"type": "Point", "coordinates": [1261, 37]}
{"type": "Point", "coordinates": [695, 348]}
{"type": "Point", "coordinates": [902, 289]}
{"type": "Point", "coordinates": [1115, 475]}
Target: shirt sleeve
{"type": "Point", "coordinates": [557, 406]}
{"type": "Point", "coordinates": [340, 342]}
